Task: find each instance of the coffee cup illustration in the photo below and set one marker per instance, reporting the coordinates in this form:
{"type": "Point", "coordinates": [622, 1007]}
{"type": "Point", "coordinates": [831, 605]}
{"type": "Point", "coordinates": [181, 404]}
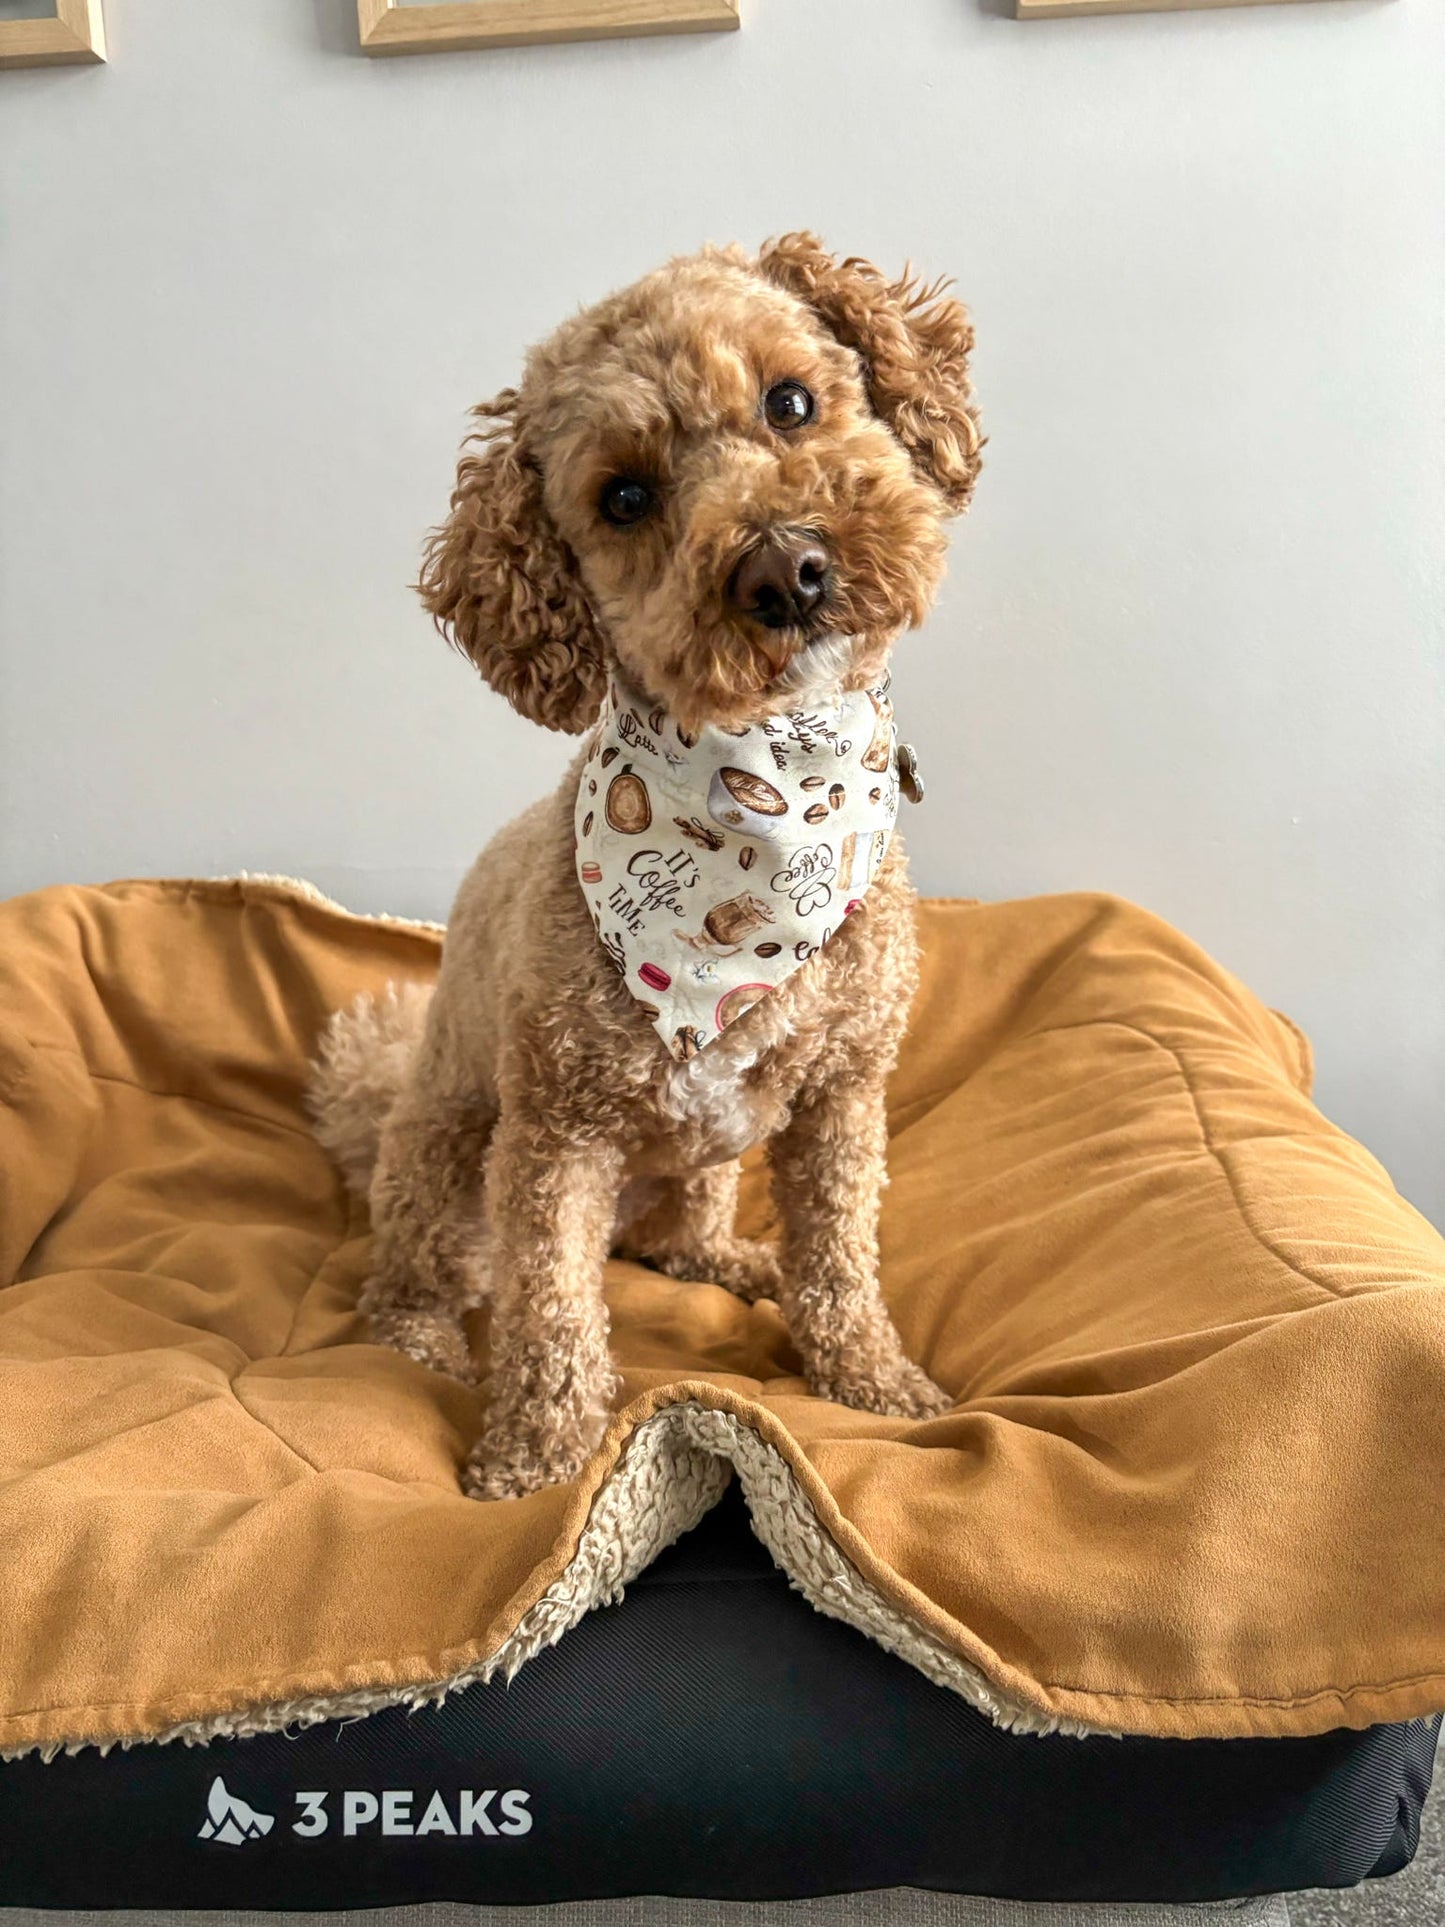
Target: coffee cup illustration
{"type": "Point", "coordinates": [879, 754]}
{"type": "Point", "coordinates": [728, 925]}
{"type": "Point", "coordinates": [858, 860]}
{"type": "Point", "coordinates": [628, 807]}
{"type": "Point", "coordinates": [742, 801]}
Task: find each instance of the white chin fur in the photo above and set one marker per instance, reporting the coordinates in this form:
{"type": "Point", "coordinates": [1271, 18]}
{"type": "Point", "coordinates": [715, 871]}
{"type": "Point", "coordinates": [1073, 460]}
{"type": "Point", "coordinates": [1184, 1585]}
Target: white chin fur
{"type": "Point", "coordinates": [815, 675]}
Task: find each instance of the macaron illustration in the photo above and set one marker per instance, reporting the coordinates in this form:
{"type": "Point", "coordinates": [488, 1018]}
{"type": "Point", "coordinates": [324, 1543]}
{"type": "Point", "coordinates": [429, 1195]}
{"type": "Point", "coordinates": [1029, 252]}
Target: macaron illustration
{"type": "Point", "coordinates": [628, 806]}
{"type": "Point", "coordinates": [654, 976]}
{"type": "Point", "coordinates": [591, 872]}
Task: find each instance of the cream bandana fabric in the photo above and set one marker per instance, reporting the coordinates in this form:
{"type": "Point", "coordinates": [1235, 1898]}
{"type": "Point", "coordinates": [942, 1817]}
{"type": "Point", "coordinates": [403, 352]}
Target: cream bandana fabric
{"type": "Point", "coordinates": [713, 867]}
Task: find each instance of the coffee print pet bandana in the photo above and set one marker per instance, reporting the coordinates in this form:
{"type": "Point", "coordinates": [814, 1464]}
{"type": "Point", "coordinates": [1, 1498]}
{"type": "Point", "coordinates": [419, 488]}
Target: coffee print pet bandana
{"type": "Point", "coordinates": [715, 865]}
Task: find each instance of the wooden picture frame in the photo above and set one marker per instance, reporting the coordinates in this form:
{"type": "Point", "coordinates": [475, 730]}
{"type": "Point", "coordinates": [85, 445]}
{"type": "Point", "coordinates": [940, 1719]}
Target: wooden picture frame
{"type": "Point", "coordinates": [387, 28]}
{"type": "Point", "coordinates": [73, 35]}
{"type": "Point", "coordinates": [1062, 9]}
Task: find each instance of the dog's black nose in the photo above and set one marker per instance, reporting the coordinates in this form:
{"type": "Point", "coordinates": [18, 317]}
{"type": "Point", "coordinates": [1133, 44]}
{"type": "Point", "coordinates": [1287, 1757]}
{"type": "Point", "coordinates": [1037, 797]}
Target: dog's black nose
{"type": "Point", "coordinates": [780, 581]}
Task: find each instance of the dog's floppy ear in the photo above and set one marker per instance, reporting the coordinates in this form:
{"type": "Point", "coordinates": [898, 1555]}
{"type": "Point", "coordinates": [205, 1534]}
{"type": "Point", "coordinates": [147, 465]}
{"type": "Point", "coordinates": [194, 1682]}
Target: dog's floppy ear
{"type": "Point", "coordinates": [503, 587]}
{"type": "Point", "coordinates": [914, 341]}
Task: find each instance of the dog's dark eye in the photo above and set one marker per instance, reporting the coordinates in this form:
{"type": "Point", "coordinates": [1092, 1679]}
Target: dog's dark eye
{"type": "Point", "coordinates": [788, 404]}
{"type": "Point", "coordinates": [625, 500]}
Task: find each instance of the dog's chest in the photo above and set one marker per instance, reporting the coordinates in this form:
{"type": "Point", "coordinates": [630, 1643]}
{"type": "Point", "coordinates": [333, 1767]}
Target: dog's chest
{"type": "Point", "coordinates": [733, 1095]}
{"type": "Point", "coordinates": [713, 1111]}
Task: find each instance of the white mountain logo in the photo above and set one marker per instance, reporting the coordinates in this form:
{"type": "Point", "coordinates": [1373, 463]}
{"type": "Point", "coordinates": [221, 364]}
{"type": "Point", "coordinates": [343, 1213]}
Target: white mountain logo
{"type": "Point", "coordinates": [230, 1820]}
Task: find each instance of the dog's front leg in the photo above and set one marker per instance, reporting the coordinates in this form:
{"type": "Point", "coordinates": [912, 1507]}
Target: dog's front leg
{"type": "Point", "coordinates": [828, 1175]}
{"type": "Point", "coordinates": [551, 1206]}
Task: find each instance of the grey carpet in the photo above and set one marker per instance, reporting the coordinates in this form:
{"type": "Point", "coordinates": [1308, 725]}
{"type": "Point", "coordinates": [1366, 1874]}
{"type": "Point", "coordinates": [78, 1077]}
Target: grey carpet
{"type": "Point", "coordinates": [900, 1907]}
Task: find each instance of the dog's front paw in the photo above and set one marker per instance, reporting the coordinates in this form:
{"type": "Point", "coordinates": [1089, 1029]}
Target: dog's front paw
{"type": "Point", "coordinates": [431, 1338]}
{"type": "Point", "coordinates": [898, 1389]}
{"type": "Point", "coordinates": [749, 1268]}
{"type": "Point", "coordinates": [509, 1463]}
{"type": "Point", "coordinates": [514, 1471]}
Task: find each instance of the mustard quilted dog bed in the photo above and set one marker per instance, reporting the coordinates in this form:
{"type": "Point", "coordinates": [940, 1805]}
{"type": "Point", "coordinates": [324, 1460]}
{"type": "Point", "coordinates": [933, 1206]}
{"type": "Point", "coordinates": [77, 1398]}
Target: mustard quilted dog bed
{"type": "Point", "coordinates": [1192, 1484]}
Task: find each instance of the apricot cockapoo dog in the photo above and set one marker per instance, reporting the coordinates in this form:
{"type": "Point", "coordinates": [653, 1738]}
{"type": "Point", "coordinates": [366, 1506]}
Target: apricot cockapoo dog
{"type": "Point", "coordinates": [694, 532]}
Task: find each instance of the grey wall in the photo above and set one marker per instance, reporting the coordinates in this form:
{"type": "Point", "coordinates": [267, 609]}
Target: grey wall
{"type": "Point", "coordinates": [1191, 645]}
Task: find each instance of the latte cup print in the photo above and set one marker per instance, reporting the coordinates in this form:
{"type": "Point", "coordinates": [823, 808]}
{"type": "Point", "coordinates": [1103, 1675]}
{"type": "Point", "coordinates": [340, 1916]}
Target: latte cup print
{"type": "Point", "coordinates": [629, 809]}
{"type": "Point", "coordinates": [741, 801]}
{"type": "Point", "coordinates": [879, 754]}
{"type": "Point", "coordinates": [853, 877]}
{"type": "Point", "coordinates": [730, 922]}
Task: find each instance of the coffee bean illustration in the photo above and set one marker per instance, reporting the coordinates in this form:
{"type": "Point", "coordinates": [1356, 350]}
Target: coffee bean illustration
{"type": "Point", "coordinates": [591, 785]}
{"type": "Point", "coordinates": [747, 856]}
{"type": "Point", "coordinates": [609, 755]}
{"type": "Point", "coordinates": [628, 807]}
{"type": "Point", "coordinates": [874, 795]}
{"type": "Point", "coordinates": [836, 796]}
{"type": "Point", "coordinates": [811, 783]}
{"type": "Point", "coordinates": [816, 813]}
{"type": "Point", "coordinates": [587, 824]}
{"type": "Point", "coordinates": [649, 1011]}
{"type": "Point", "coordinates": [655, 721]}
{"type": "Point", "coordinates": [766, 949]}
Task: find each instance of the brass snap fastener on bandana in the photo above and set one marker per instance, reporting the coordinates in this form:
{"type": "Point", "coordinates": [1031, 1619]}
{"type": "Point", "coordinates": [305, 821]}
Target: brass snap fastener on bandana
{"type": "Point", "coordinates": [910, 777]}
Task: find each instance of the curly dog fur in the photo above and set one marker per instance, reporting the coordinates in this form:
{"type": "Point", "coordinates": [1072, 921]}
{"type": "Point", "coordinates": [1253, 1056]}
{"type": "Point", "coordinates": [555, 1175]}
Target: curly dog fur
{"type": "Point", "coordinates": [526, 1120]}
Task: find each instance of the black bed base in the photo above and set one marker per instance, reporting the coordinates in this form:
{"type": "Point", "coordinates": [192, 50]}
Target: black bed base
{"type": "Point", "coordinates": [714, 1736]}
